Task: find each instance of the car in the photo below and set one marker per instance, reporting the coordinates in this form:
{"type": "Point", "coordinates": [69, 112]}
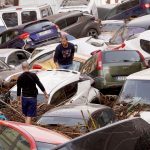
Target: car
{"type": "Point", "coordinates": [131, 28]}
{"type": "Point", "coordinates": [64, 86]}
{"type": "Point", "coordinates": [79, 115]}
{"type": "Point", "coordinates": [30, 35]}
{"type": "Point", "coordinates": [77, 24]}
{"type": "Point", "coordinates": [140, 42]}
{"type": "Point", "coordinates": [128, 134]}
{"type": "Point", "coordinates": [15, 135]}
{"type": "Point", "coordinates": [136, 88]}
{"type": "Point", "coordinates": [2, 26]}
{"type": "Point", "coordinates": [88, 43]}
{"type": "Point", "coordinates": [109, 69]}
{"type": "Point", "coordinates": [86, 6]}
{"type": "Point", "coordinates": [108, 29]}
{"type": "Point", "coordinates": [128, 9]}
{"type": "Point", "coordinates": [14, 57]}
{"type": "Point", "coordinates": [18, 15]}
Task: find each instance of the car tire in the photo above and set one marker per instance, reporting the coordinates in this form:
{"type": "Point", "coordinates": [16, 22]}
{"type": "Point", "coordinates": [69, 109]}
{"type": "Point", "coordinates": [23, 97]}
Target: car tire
{"type": "Point", "coordinates": [93, 33]}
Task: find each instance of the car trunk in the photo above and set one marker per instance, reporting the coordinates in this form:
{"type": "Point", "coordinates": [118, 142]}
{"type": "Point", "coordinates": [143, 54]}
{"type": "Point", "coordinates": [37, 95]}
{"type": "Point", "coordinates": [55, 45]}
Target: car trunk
{"type": "Point", "coordinates": [119, 71]}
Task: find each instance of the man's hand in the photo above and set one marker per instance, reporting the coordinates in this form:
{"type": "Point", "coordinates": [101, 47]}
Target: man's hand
{"type": "Point", "coordinates": [46, 95]}
{"type": "Point", "coordinates": [19, 99]}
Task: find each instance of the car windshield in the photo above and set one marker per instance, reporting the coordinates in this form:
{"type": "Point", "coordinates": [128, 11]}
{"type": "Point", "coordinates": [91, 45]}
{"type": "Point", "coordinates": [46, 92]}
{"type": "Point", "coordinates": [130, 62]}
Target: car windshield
{"type": "Point", "coordinates": [121, 56]}
{"type": "Point", "coordinates": [136, 91]}
{"type": "Point", "coordinates": [44, 146]}
{"type": "Point", "coordinates": [124, 33]}
{"type": "Point", "coordinates": [75, 2]}
{"type": "Point", "coordinates": [56, 120]}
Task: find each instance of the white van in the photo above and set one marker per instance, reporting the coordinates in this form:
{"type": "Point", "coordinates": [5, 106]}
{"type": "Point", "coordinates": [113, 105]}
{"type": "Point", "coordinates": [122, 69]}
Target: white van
{"type": "Point", "coordinates": [55, 4]}
{"type": "Point", "coordinates": [2, 26]}
{"type": "Point", "coordinates": [86, 6]}
{"type": "Point", "coordinates": [17, 15]}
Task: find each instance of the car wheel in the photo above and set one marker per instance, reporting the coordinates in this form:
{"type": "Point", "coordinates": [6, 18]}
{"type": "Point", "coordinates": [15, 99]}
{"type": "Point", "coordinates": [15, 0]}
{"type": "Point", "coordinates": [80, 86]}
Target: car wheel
{"type": "Point", "coordinates": [93, 33]}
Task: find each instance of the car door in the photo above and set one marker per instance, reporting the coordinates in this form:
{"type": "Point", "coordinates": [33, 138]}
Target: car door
{"type": "Point", "coordinates": [74, 26]}
{"type": "Point", "coordinates": [11, 139]}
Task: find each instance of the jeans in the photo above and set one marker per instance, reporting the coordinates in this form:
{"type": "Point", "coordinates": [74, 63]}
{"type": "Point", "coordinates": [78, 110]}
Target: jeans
{"type": "Point", "coordinates": [69, 67]}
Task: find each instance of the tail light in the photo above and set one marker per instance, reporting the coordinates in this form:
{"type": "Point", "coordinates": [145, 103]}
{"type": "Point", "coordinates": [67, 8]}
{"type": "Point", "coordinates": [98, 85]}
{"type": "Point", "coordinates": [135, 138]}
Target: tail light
{"type": "Point", "coordinates": [36, 66]}
{"type": "Point", "coordinates": [142, 57]}
{"type": "Point", "coordinates": [121, 46]}
{"type": "Point", "coordinates": [146, 6]}
{"type": "Point", "coordinates": [24, 36]}
{"type": "Point", "coordinates": [99, 59]}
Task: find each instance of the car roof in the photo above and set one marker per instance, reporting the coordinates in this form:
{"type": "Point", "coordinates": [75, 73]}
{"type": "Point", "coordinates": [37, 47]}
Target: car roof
{"type": "Point", "coordinates": [74, 110]}
{"type": "Point", "coordinates": [64, 15]}
{"type": "Point", "coordinates": [26, 7]}
{"type": "Point", "coordinates": [38, 133]}
{"type": "Point", "coordinates": [140, 22]}
{"type": "Point", "coordinates": [141, 75]}
{"type": "Point", "coordinates": [6, 52]}
{"type": "Point", "coordinates": [113, 22]}
{"type": "Point", "coordinates": [145, 35]}
{"type": "Point", "coordinates": [53, 80]}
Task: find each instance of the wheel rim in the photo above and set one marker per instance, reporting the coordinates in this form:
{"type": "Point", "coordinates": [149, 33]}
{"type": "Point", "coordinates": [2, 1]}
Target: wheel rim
{"type": "Point", "coordinates": [93, 33]}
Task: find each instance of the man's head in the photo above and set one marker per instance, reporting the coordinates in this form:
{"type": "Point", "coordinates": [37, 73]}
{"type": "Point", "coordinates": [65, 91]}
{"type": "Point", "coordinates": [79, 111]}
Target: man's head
{"type": "Point", "coordinates": [25, 66]}
{"type": "Point", "coordinates": [64, 41]}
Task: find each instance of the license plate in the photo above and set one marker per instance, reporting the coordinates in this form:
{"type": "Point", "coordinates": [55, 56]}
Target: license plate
{"type": "Point", "coordinates": [121, 78]}
{"type": "Point", "coordinates": [44, 32]}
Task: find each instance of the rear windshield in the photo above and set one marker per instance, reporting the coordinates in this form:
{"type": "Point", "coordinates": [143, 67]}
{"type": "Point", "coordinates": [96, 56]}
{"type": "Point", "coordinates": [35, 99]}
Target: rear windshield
{"type": "Point", "coordinates": [145, 45]}
{"type": "Point", "coordinates": [136, 91]}
{"type": "Point", "coordinates": [121, 56]}
{"type": "Point", "coordinates": [37, 27]}
{"type": "Point", "coordinates": [75, 2]}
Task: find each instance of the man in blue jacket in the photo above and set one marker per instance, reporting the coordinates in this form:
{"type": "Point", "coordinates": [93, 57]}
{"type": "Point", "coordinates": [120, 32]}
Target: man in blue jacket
{"type": "Point", "coordinates": [64, 54]}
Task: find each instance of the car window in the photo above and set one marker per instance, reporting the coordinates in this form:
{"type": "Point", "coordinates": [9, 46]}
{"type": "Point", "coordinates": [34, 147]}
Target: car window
{"type": "Point", "coordinates": [145, 45]}
{"type": "Point", "coordinates": [76, 65]}
{"type": "Point", "coordinates": [121, 56]}
{"type": "Point", "coordinates": [28, 16]}
{"type": "Point", "coordinates": [42, 58]}
{"type": "Point", "coordinates": [21, 56]}
{"type": "Point", "coordinates": [8, 138]}
{"type": "Point", "coordinates": [22, 144]}
{"type": "Point", "coordinates": [10, 35]}
{"type": "Point", "coordinates": [7, 17]}
{"type": "Point", "coordinates": [12, 59]}
{"type": "Point", "coordinates": [62, 24]}
{"type": "Point", "coordinates": [36, 27]}
{"type": "Point", "coordinates": [64, 93]}
{"type": "Point", "coordinates": [58, 97]}
{"type": "Point", "coordinates": [71, 20]}
{"type": "Point", "coordinates": [135, 91]}
{"type": "Point", "coordinates": [71, 90]}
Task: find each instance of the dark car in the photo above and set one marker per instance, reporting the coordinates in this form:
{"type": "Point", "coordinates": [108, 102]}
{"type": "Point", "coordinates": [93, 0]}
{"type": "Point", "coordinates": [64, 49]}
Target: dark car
{"type": "Point", "coordinates": [77, 23]}
{"type": "Point", "coordinates": [130, 29]}
{"type": "Point", "coordinates": [128, 9]}
{"type": "Point", "coordinates": [129, 134]}
{"type": "Point", "coordinates": [30, 35]}
{"type": "Point", "coordinates": [74, 115]}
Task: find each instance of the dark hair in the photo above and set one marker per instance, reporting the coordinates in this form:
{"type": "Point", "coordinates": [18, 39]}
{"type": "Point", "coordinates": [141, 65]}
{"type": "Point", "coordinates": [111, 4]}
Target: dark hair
{"type": "Point", "coordinates": [63, 37]}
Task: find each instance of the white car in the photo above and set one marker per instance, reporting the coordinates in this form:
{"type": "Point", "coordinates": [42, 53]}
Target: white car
{"type": "Point", "coordinates": [85, 46]}
{"type": "Point", "coordinates": [64, 86]}
{"type": "Point", "coordinates": [86, 6]}
{"type": "Point", "coordinates": [13, 57]}
{"type": "Point", "coordinates": [140, 42]}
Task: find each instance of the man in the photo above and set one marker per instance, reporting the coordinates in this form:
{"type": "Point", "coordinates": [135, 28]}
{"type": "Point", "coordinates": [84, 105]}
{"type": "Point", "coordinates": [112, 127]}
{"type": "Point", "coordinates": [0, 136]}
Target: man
{"type": "Point", "coordinates": [27, 82]}
{"type": "Point", "coordinates": [64, 54]}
